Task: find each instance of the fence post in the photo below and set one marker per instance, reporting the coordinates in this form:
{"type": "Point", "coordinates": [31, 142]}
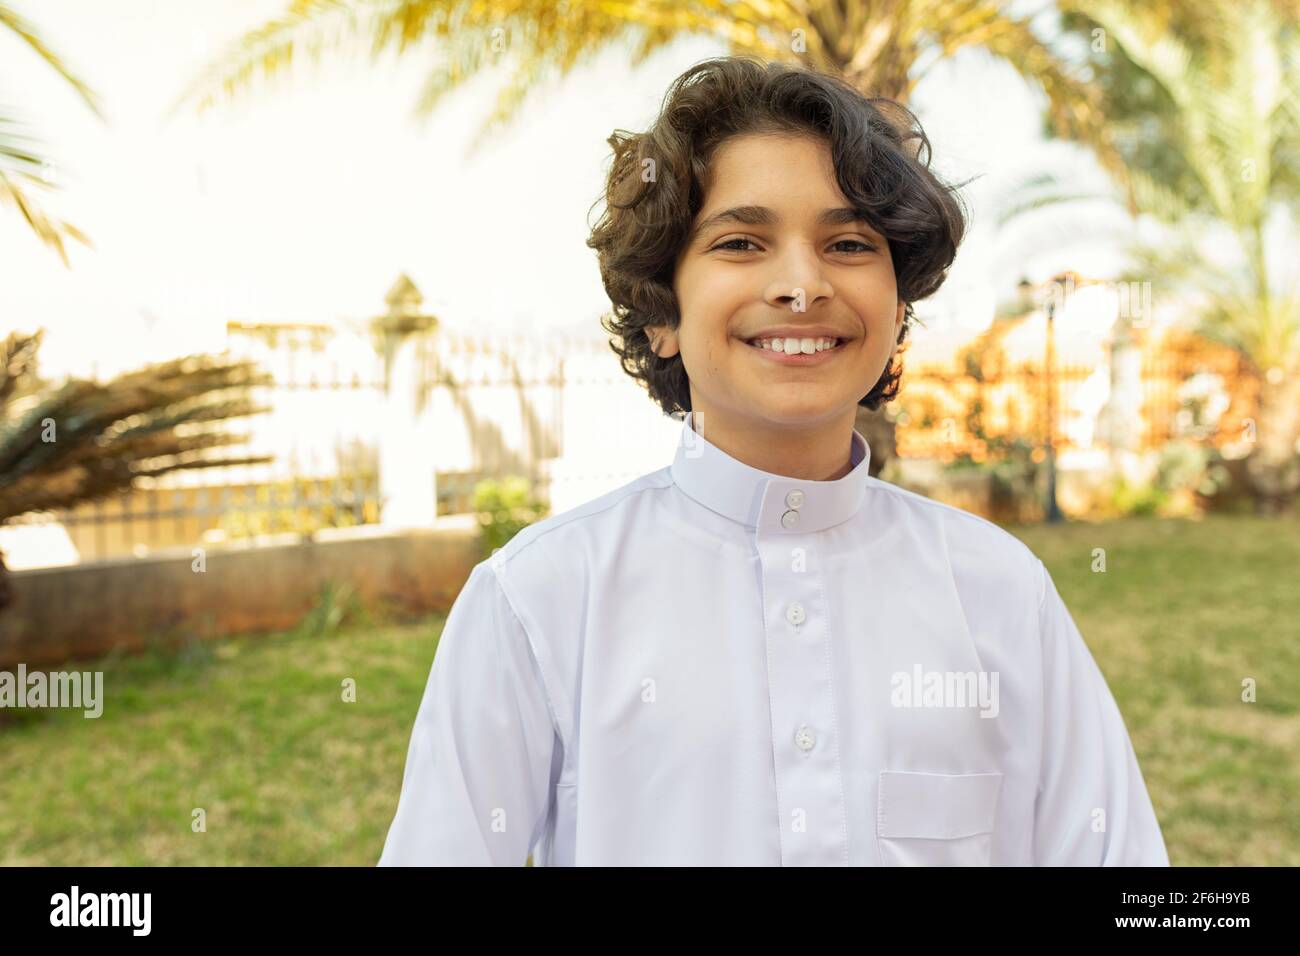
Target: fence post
{"type": "Point", "coordinates": [407, 449]}
{"type": "Point", "coordinates": [1121, 417]}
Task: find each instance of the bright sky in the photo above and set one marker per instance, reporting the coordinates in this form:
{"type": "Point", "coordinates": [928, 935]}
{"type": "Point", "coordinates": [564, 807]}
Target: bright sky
{"type": "Point", "coordinates": [305, 200]}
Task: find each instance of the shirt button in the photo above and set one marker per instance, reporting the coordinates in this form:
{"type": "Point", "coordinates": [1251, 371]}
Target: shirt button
{"type": "Point", "coordinates": [794, 499]}
{"type": "Point", "coordinates": [789, 519]}
{"type": "Point", "coordinates": [794, 614]}
{"type": "Point", "coordinates": [804, 738]}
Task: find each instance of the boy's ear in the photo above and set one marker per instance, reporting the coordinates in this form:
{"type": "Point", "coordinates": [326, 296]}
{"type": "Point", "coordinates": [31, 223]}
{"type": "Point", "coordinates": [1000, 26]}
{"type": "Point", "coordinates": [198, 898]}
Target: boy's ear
{"type": "Point", "coordinates": [898, 321]}
{"type": "Point", "coordinates": [663, 340]}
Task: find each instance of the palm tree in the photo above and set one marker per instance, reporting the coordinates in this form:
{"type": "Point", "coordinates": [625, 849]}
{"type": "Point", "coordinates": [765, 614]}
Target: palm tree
{"type": "Point", "coordinates": [21, 163]}
{"type": "Point", "coordinates": [882, 47]}
{"type": "Point", "coordinates": [62, 444]}
{"type": "Point", "coordinates": [1224, 96]}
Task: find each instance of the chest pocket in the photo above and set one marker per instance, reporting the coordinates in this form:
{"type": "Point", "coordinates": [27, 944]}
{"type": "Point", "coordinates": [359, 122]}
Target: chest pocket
{"type": "Point", "coordinates": [936, 819]}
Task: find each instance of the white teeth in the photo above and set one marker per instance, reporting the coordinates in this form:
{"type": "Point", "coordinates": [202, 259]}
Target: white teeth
{"type": "Point", "coordinates": [789, 346]}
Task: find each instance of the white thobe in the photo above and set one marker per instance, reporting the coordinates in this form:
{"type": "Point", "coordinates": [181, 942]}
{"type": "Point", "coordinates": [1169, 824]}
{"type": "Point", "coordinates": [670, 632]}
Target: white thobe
{"type": "Point", "coordinates": [718, 665]}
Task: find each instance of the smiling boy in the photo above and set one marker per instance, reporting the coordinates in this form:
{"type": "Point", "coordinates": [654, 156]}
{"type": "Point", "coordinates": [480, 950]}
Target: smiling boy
{"type": "Point", "coordinates": [759, 654]}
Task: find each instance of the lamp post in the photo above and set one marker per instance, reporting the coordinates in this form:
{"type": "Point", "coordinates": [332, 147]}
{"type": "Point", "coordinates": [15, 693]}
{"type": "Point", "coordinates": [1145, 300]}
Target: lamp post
{"type": "Point", "coordinates": [1053, 515]}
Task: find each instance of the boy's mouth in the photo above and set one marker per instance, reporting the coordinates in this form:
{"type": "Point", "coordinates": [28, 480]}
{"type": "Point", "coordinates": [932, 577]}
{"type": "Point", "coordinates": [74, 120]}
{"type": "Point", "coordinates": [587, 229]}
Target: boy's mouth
{"type": "Point", "coordinates": [793, 352]}
{"type": "Point", "coordinates": [783, 345]}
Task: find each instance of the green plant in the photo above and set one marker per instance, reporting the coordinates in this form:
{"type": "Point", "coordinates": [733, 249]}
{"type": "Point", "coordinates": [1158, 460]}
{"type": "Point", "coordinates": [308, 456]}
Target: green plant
{"type": "Point", "coordinates": [964, 462]}
{"type": "Point", "coordinates": [1137, 498]}
{"type": "Point", "coordinates": [337, 603]}
{"type": "Point", "coordinates": [504, 508]}
{"type": "Point", "coordinates": [1181, 470]}
{"type": "Point", "coordinates": [1182, 465]}
{"type": "Point", "coordinates": [1217, 478]}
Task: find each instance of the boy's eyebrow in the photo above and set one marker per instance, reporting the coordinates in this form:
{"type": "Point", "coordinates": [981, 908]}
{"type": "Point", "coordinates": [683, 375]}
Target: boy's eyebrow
{"type": "Point", "coordinates": [763, 216]}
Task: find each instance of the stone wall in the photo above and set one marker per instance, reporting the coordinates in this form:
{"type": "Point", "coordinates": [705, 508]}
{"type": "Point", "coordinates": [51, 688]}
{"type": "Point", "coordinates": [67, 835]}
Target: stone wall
{"type": "Point", "coordinates": [86, 610]}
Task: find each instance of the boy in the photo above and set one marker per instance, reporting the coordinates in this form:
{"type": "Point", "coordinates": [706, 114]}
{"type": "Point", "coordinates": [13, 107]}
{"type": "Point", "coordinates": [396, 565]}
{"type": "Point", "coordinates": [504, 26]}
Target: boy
{"type": "Point", "coordinates": [760, 655]}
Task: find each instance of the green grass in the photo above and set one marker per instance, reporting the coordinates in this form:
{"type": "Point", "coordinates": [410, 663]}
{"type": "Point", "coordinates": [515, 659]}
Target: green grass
{"type": "Point", "coordinates": [255, 732]}
{"type": "Point", "coordinates": [1183, 613]}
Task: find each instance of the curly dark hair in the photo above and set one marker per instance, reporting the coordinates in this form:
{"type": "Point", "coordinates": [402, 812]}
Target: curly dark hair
{"type": "Point", "coordinates": [648, 219]}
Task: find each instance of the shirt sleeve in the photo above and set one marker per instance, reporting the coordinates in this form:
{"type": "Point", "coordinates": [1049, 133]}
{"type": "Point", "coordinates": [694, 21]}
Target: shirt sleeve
{"type": "Point", "coordinates": [1092, 808]}
{"type": "Point", "coordinates": [477, 785]}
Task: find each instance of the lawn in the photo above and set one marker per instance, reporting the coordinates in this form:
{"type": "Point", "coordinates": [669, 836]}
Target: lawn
{"type": "Point", "coordinates": [1183, 613]}
{"type": "Point", "coordinates": [252, 730]}
{"type": "Point", "coordinates": [256, 733]}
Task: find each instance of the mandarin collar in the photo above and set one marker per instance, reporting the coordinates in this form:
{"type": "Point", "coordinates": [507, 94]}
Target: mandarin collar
{"type": "Point", "coordinates": [760, 499]}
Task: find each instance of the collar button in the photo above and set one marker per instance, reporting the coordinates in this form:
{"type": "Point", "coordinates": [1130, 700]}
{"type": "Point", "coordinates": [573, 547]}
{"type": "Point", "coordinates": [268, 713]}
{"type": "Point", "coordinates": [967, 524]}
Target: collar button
{"type": "Point", "coordinates": [789, 519]}
{"type": "Point", "coordinates": [794, 499]}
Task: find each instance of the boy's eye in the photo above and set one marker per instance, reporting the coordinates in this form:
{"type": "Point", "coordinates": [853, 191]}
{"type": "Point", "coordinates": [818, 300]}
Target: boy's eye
{"type": "Point", "coordinates": [863, 247]}
{"type": "Point", "coordinates": [730, 244]}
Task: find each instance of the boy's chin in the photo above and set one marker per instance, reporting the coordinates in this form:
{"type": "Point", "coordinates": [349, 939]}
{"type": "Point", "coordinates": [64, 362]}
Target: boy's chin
{"type": "Point", "coordinates": [798, 410]}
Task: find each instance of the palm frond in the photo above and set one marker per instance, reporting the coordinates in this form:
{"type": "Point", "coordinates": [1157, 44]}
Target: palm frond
{"type": "Point", "coordinates": [18, 365]}
{"type": "Point", "coordinates": [22, 167]}
{"type": "Point", "coordinates": [82, 440]}
{"type": "Point", "coordinates": [49, 230]}
{"type": "Point", "coordinates": [308, 28]}
{"type": "Point", "coordinates": [1074, 106]}
{"type": "Point", "coordinates": [28, 34]}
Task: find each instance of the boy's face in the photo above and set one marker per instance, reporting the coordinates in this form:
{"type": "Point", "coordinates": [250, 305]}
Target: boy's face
{"type": "Point", "coordinates": [791, 276]}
